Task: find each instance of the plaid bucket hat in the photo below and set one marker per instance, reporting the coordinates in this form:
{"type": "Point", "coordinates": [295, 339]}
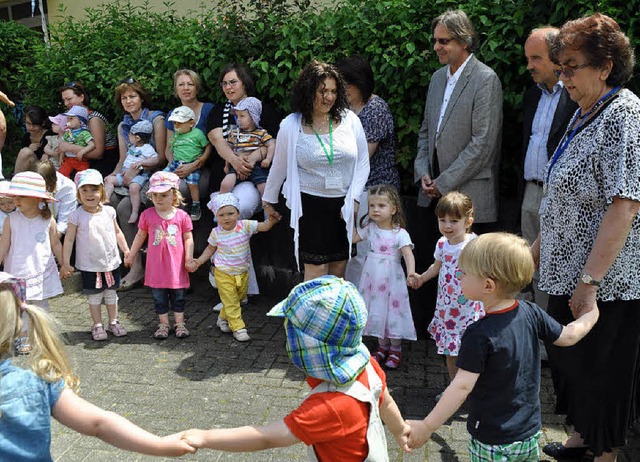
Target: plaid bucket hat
{"type": "Point", "coordinates": [324, 319]}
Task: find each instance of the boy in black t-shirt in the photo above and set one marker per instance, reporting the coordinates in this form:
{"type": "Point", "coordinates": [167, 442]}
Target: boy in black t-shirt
{"type": "Point", "coordinates": [499, 361]}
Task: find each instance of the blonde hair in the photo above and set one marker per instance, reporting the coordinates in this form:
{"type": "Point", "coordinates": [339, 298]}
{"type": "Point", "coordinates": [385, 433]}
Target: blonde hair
{"type": "Point", "coordinates": [505, 258]}
{"type": "Point", "coordinates": [178, 199]}
{"type": "Point", "coordinates": [48, 357]}
{"type": "Point", "coordinates": [455, 205]}
{"type": "Point", "coordinates": [391, 193]}
{"type": "Point", "coordinates": [103, 194]}
{"type": "Point", "coordinates": [45, 212]}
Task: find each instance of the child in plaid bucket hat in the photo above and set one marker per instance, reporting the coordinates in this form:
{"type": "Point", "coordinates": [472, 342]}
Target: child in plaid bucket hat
{"type": "Point", "coordinates": [341, 418]}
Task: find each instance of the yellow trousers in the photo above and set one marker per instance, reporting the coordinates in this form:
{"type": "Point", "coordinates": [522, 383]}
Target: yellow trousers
{"type": "Point", "coordinates": [232, 289]}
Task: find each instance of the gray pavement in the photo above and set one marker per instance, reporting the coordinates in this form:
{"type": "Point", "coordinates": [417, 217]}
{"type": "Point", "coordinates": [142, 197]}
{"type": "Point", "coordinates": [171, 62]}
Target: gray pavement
{"type": "Point", "coordinates": [210, 380]}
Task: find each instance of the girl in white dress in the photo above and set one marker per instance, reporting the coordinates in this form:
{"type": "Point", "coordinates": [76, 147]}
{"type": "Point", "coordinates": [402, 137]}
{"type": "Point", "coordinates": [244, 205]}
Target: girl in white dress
{"type": "Point", "coordinates": [383, 284]}
{"type": "Point", "coordinates": [453, 311]}
{"type": "Point", "coordinates": [29, 243]}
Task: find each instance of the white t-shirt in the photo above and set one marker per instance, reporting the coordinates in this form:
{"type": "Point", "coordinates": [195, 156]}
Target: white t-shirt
{"type": "Point", "coordinates": [96, 246]}
{"type": "Point", "coordinates": [138, 154]}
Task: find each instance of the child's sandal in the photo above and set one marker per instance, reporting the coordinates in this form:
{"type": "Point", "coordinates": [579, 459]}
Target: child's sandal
{"type": "Point", "coordinates": [23, 347]}
{"type": "Point", "coordinates": [380, 354]}
{"type": "Point", "coordinates": [181, 330]}
{"type": "Point", "coordinates": [162, 332]}
{"type": "Point", "coordinates": [395, 357]}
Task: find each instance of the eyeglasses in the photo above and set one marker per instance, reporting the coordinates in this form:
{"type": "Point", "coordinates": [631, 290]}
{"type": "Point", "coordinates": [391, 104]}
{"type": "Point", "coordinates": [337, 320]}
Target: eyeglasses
{"type": "Point", "coordinates": [128, 80]}
{"type": "Point", "coordinates": [230, 83]}
{"type": "Point", "coordinates": [569, 71]}
{"type": "Point", "coordinates": [441, 41]}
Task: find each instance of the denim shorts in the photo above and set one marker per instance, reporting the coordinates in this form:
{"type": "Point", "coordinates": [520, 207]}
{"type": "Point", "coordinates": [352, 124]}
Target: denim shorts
{"type": "Point", "coordinates": [138, 179]}
{"type": "Point", "coordinates": [163, 297]}
{"type": "Point", "coordinates": [258, 174]}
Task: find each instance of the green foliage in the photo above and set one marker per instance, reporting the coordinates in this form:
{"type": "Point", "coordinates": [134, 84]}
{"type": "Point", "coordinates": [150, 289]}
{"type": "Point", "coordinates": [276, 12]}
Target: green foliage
{"type": "Point", "coordinates": [277, 38]}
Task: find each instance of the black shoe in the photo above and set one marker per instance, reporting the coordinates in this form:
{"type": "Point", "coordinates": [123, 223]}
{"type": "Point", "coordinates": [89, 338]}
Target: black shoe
{"type": "Point", "coordinates": [559, 451]}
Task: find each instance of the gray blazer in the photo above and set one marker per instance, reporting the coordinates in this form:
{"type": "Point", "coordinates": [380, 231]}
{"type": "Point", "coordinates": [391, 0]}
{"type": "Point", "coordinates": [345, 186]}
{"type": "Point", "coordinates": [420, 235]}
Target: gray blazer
{"type": "Point", "coordinates": [469, 141]}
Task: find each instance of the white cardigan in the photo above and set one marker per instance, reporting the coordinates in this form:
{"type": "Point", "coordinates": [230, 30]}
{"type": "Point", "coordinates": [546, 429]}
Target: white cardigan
{"type": "Point", "coordinates": [285, 166]}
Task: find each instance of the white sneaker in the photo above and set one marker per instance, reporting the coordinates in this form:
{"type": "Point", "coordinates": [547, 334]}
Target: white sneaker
{"type": "Point", "coordinates": [223, 325]}
{"type": "Point", "coordinates": [217, 307]}
{"type": "Point", "coordinates": [241, 335]}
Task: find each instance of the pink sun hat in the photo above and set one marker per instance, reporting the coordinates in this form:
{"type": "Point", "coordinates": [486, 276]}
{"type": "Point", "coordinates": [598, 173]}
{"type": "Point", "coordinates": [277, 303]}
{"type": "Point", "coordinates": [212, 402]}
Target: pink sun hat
{"type": "Point", "coordinates": [29, 184]}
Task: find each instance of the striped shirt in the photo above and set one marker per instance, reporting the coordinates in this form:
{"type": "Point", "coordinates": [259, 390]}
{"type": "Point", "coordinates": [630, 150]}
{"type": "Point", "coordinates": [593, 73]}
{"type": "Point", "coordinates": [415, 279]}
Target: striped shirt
{"type": "Point", "coordinates": [233, 252]}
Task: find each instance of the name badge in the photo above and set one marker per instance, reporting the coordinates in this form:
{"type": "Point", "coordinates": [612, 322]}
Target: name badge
{"type": "Point", "coordinates": [333, 182]}
{"type": "Point", "coordinates": [172, 230]}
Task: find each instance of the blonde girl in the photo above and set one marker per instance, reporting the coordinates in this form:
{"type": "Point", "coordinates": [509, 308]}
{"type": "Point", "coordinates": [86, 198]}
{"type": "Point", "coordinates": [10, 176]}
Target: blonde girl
{"type": "Point", "coordinates": [453, 311]}
{"type": "Point", "coordinates": [30, 397]}
{"type": "Point", "coordinates": [29, 243]}
{"type": "Point", "coordinates": [97, 257]}
{"type": "Point", "coordinates": [383, 284]}
{"type": "Point", "coordinates": [169, 248]}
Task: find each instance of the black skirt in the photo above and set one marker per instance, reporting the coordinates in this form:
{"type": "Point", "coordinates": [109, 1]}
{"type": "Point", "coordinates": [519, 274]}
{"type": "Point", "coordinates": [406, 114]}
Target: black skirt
{"type": "Point", "coordinates": [89, 282]}
{"type": "Point", "coordinates": [596, 380]}
{"type": "Point", "coordinates": [322, 231]}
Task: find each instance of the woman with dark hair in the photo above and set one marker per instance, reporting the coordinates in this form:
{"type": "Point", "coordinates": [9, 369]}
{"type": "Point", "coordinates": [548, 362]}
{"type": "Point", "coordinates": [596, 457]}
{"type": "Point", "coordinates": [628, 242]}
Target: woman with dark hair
{"type": "Point", "coordinates": [38, 128]}
{"type": "Point", "coordinates": [134, 100]}
{"type": "Point", "coordinates": [322, 153]}
{"type": "Point", "coordinates": [590, 236]}
{"type": "Point", "coordinates": [377, 121]}
{"type": "Point", "coordinates": [104, 156]}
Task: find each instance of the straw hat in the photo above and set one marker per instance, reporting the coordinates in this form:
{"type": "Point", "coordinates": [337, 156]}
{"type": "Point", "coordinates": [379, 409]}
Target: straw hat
{"type": "Point", "coordinates": [29, 184]}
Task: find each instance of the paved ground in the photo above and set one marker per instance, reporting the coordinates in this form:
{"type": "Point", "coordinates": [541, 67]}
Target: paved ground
{"type": "Point", "coordinates": [211, 380]}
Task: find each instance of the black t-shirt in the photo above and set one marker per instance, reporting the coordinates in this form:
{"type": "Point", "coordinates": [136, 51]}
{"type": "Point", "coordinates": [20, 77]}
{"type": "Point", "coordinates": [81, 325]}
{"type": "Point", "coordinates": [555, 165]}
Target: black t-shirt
{"type": "Point", "coordinates": [26, 142]}
{"type": "Point", "coordinates": [503, 348]}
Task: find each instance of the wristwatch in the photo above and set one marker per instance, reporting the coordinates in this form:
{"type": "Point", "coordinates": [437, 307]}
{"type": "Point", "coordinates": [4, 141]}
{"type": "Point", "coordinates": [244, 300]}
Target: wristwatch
{"type": "Point", "coordinates": [141, 169]}
{"type": "Point", "coordinates": [587, 279]}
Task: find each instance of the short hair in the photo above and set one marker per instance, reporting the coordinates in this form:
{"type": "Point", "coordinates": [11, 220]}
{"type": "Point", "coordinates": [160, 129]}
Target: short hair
{"type": "Point", "coordinates": [304, 90]}
{"type": "Point", "coordinates": [459, 26]}
{"type": "Point", "coordinates": [456, 205]}
{"type": "Point", "coordinates": [243, 74]}
{"type": "Point", "coordinates": [48, 172]}
{"type": "Point", "coordinates": [549, 34]}
{"type": "Point", "coordinates": [600, 39]}
{"type": "Point", "coordinates": [505, 258]}
{"type": "Point", "coordinates": [37, 115]}
{"type": "Point", "coordinates": [78, 89]}
{"type": "Point", "coordinates": [357, 71]}
{"type": "Point", "coordinates": [193, 75]}
{"type": "Point", "coordinates": [132, 85]}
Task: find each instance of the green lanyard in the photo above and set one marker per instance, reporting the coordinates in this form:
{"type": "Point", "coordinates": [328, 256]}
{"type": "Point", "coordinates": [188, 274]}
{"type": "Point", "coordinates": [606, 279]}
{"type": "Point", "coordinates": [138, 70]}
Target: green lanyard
{"type": "Point", "coordinates": [324, 148]}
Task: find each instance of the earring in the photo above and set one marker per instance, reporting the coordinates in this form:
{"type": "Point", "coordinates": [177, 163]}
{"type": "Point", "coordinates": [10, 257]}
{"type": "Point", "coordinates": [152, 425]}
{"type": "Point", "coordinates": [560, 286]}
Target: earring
{"type": "Point", "coordinates": [42, 205]}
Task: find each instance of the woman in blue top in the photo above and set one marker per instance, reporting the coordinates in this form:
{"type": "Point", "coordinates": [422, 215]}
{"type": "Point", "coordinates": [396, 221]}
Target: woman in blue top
{"type": "Point", "coordinates": [30, 397]}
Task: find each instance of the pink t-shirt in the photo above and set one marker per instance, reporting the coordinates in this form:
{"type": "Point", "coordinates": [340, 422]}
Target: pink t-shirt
{"type": "Point", "coordinates": [165, 252]}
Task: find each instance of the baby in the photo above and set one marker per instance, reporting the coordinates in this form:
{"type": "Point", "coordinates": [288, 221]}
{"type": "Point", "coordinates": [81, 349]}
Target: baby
{"type": "Point", "coordinates": [76, 133]}
{"type": "Point", "coordinates": [58, 125]}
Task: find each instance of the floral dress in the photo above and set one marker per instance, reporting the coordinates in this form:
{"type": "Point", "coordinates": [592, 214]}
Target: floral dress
{"type": "Point", "coordinates": [453, 312]}
{"type": "Point", "coordinates": [383, 284]}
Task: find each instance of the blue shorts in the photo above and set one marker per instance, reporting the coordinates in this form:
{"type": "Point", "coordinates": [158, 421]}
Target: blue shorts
{"type": "Point", "coordinates": [258, 174]}
{"type": "Point", "coordinates": [192, 178]}
{"type": "Point", "coordinates": [138, 179]}
{"type": "Point", "coordinates": [162, 298]}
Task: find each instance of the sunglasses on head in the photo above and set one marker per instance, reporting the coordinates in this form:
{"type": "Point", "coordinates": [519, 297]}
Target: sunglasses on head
{"type": "Point", "coordinates": [70, 84]}
{"type": "Point", "coordinates": [128, 80]}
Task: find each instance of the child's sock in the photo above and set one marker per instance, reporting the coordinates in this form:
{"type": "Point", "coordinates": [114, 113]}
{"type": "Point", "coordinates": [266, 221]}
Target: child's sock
{"type": "Point", "coordinates": [396, 345]}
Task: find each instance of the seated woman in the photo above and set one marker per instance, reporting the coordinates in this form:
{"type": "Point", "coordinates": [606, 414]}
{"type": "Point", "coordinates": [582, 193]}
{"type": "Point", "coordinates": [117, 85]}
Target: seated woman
{"type": "Point", "coordinates": [135, 101]}
{"type": "Point", "coordinates": [104, 156]}
{"type": "Point", "coordinates": [38, 128]}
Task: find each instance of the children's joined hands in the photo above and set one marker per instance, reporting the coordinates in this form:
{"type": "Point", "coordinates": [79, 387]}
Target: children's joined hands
{"type": "Point", "coordinates": [66, 271]}
{"type": "Point", "coordinates": [414, 281]}
{"type": "Point", "coordinates": [178, 445]}
{"type": "Point", "coordinates": [192, 265]}
{"type": "Point", "coordinates": [194, 437]}
{"type": "Point", "coordinates": [419, 434]}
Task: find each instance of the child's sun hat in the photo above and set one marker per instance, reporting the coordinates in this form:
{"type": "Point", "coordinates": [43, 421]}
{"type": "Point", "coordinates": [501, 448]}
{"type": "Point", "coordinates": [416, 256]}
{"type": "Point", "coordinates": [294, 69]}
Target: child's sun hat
{"type": "Point", "coordinates": [79, 112]}
{"type": "Point", "coordinates": [163, 181]}
{"type": "Point", "coordinates": [324, 319]}
{"type": "Point", "coordinates": [222, 200]}
{"type": "Point", "coordinates": [60, 120]}
{"type": "Point", "coordinates": [29, 184]}
{"type": "Point", "coordinates": [182, 114]}
{"type": "Point", "coordinates": [254, 106]}
{"type": "Point", "coordinates": [142, 126]}
{"type": "Point", "coordinates": [88, 176]}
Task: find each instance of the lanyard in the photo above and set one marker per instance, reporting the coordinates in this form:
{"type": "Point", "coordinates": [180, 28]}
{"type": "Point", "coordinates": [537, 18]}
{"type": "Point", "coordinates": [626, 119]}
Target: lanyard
{"type": "Point", "coordinates": [324, 148]}
{"type": "Point", "coordinates": [567, 139]}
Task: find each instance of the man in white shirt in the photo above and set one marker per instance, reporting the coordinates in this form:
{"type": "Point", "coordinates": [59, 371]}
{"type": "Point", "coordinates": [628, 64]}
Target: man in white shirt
{"type": "Point", "coordinates": [547, 110]}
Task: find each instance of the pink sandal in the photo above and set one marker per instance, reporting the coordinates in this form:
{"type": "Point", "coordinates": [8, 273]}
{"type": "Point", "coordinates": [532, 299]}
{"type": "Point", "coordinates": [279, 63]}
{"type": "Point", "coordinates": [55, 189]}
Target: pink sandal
{"type": "Point", "coordinates": [395, 357]}
{"type": "Point", "coordinates": [380, 354]}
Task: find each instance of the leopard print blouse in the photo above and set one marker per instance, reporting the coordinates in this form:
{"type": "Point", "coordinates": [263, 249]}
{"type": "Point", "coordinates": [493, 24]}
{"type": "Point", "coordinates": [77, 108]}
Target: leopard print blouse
{"type": "Point", "coordinates": [601, 162]}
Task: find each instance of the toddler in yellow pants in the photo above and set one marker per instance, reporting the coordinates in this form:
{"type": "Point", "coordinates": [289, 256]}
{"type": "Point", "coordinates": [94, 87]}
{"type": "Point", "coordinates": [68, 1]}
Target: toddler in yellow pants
{"type": "Point", "coordinates": [228, 250]}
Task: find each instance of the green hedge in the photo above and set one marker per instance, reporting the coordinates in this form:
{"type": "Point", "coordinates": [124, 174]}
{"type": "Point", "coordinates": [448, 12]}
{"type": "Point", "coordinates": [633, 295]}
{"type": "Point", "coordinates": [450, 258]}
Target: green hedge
{"type": "Point", "coordinates": [277, 39]}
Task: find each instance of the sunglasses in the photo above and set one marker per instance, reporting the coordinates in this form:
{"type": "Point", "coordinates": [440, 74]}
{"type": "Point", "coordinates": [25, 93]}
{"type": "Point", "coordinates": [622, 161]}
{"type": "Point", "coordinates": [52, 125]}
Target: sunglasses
{"type": "Point", "coordinates": [569, 71]}
{"type": "Point", "coordinates": [441, 41]}
{"type": "Point", "coordinates": [128, 80]}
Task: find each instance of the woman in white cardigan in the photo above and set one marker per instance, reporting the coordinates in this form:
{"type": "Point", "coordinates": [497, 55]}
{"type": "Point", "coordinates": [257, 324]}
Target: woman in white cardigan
{"type": "Point", "coordinates": [322, 158]}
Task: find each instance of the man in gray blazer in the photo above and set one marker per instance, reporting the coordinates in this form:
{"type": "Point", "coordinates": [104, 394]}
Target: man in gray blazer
{"type": "Point", "coordinates": [460, 139]}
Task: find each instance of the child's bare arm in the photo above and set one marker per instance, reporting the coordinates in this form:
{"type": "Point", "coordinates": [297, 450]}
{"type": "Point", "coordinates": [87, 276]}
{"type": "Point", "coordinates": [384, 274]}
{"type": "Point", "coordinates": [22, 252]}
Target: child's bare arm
{"type": "Point", "coordinates": [83, 417]}
{"type": "Point", "coordinates": [136, 245]}
{"type": "Point", "coordinates": [243, 439]}
{"type": "Point", "coordinates": [452, 398]}
{"type": "Point", "coordinates": [267, 225]}
{"type": "Point", "coordinates": [5, 239]}
{"type": "Point", "coordinates": [576, 330]}
{"type": "Point", "coordinates": [188, 245]}
{"type": "Point", "coordinates": [85, 150]}
{"type": "Point", "coordinates": [410, 263]}
{"type": "Point", "coordinates": [206, 255]}
{"type": "Point", "coordinates": [431, 272]}
{"type": "Point", "coordinates": [67, 249]}
{"type": "Point", "coordinates": [271, 149]}
{"type": "Point", "coordinates": [121, 240]}
{"type": "Point", "coordinates": [392, 418]}
{"type": "Point", "coordinates": [56, 245]}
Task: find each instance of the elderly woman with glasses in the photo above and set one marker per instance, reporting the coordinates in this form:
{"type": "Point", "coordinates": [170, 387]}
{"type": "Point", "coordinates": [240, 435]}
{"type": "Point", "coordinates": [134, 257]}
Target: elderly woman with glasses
{"type": "Point", "coordinates": [589, 239]}
{"type": "Point", "coordinates": [104, 156]}
{"type": "Point", "coordinates": [131, 97]}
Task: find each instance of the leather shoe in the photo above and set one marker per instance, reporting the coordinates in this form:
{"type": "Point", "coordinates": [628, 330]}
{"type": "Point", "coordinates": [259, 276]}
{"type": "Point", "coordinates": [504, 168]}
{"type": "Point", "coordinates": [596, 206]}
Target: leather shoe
{"type": "Point", "coordinates": [559, 451]}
